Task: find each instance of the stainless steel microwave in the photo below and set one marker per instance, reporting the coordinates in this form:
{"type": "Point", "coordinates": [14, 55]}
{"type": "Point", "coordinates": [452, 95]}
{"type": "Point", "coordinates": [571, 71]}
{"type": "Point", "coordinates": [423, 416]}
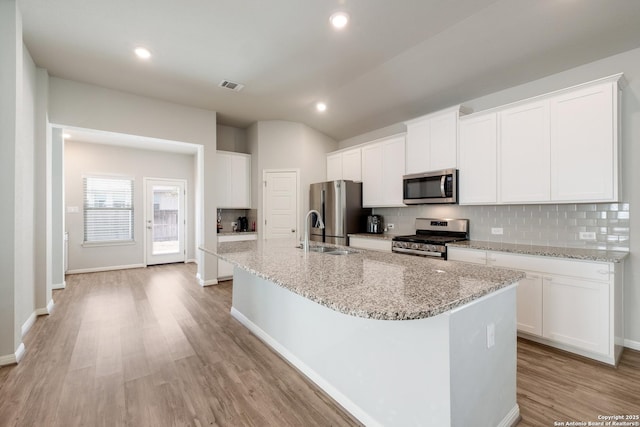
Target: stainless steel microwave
{"type": "Point", "coordinates": [430, 187]}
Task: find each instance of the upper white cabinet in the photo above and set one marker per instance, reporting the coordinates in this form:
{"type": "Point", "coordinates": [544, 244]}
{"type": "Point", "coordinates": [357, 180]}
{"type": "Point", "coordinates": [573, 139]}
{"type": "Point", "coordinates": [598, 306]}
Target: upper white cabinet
{"type": "Point", "coordinates": [524, 153]}
{"type": "Point", "coordinates": [432, 141]}
{"type": "Point", "coordinates": [383, 165]}
{"type": "Point", "coordinates": [584, 144]}
{"type": "Point", "coordinates": [233, 180]}
{"type": "Point", "coordinates": [345, 165]}
{"type": "Point", "coordinates": [555, 148]}
{"type": "Point", "coordinates": [478, 159]}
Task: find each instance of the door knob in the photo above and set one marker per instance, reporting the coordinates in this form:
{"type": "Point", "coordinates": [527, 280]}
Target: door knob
{"type": "Point", "coordinates": [149, 227]}
{"type": "Point", "coordinates": [293, 230]}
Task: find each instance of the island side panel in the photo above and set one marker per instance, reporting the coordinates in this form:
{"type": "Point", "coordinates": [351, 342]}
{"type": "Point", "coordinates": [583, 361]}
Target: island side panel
{"type": "Point", "coordinates": [392, 373]}
{"type": "Point", "coordinates": [483, 380]}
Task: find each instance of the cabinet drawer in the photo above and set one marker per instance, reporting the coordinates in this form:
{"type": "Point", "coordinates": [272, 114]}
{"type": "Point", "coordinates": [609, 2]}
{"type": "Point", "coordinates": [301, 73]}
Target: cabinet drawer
{"type": "Point", "coordinates": [473, 256]}
{"type": "Point", "coordinates": [372, 244]}
{"type": "Point", "coordinates": [590, 270]}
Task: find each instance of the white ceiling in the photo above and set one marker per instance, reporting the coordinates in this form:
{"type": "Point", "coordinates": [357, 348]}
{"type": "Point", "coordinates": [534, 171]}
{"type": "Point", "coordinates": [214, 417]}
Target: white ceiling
{"type": "Point", "coordinates": [396, 60]}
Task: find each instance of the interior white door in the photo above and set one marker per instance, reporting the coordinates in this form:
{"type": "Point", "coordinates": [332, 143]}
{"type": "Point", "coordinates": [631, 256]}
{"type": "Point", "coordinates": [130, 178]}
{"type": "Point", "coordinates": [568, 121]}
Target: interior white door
{"type": "Point", "coordinates": [164, 221]}
{"type": "Point", "coordinates": [281, 205]}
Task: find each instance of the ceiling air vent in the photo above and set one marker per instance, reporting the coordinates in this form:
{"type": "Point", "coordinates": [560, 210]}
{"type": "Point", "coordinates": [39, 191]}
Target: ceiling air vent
{"type": "Point", "coordinates": [227, 84]}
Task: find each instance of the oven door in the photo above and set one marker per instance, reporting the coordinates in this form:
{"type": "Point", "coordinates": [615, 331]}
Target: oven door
{"type": "Point", "coordinates": [431, 187]}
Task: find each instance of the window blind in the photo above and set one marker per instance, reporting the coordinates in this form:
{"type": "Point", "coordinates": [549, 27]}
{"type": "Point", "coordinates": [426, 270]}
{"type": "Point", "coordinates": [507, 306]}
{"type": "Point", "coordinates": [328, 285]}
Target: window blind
{"type": "Point", "coordinates": [108, 209]}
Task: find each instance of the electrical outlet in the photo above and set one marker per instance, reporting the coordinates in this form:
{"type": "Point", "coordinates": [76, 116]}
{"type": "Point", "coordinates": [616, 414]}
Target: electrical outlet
{"type": "Point", "coordinates": [496, 230]}
{"type": "Point", "coordinates": [390, 226]}
{"type": "Point", "coordinates": [234, 224]}
{"type": "Point", "coordinates": [587, 235]}
{"type": "Point", "coordinates": [491, 335]}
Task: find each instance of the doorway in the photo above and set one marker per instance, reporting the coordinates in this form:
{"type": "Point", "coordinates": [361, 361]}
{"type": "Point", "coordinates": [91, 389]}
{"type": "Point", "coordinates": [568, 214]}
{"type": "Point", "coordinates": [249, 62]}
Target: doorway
{"type": "Point", "coordinates": [164, 221]}
{"type": "Point", "coordinates": [280, 204]}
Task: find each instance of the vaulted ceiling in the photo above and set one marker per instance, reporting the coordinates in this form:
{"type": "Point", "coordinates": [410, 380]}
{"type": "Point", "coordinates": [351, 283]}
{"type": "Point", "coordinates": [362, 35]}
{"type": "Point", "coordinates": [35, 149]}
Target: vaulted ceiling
{"type": "Point", "coordinates": [394, 61]}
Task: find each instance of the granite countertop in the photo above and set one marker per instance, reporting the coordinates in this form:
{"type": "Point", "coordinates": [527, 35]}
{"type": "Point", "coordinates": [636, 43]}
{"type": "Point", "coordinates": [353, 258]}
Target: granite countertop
{"type": "Point", "coordinates": [550, 251]}
{"type": "Point", "coordinates": [369, 284]}
{"type": "Point", "coordinates": [381, 236]}
{"type": "Point", "coordinates": [236, 233]}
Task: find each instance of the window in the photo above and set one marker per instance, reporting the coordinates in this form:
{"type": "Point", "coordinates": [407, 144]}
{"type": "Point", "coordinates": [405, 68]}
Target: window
{"type": "Point", "coordinates": [108, 209]}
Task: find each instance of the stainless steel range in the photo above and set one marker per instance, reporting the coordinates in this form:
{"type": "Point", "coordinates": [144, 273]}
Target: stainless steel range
{"type": "Point", "coordinates": [431, 237]}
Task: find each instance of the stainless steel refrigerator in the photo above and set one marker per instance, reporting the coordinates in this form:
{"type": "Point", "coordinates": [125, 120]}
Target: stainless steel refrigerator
{"type": "Point", "coordinates": [340, 204]}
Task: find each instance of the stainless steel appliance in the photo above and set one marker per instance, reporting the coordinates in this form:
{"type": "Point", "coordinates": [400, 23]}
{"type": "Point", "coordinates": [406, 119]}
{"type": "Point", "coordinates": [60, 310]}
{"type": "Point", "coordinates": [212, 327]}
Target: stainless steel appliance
{"type": "Point", "coordinates": [431, 237]}
{"type": "Point", "coordinates": [375, 224]}
{"type": "Point", "coordinates": [340, 205]}
{"type": "Point", "coordinates": [430, 187]}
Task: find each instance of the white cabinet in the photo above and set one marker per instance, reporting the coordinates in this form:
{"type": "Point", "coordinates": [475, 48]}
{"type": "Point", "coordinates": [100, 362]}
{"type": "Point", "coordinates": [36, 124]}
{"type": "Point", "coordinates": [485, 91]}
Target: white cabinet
{"type": "Point", "coordinates": [525, 153]}
{"type": "Point", "coordinates": [344, 165]}
{"type": "Point", "coordinates": [576, 312]}
{"type": "Point", "coordinates": [233, 180]}
{"type": "Point", "coordinates": [584, 144]}
{"type": "Point", "coordinates": [478, 159]}
{"type": "Point", "coordinates": [555, 148]}
{"type": "Point", "coordinates": [570, 304]}
{"type": "Point", "coordinates": [370, 243]}
{"type": "Point", "coordinates": [432, 141]}
{"type": "Point", "coordinates": [383, 165]}
{"type": "Point", "coordinates": [225, 269]}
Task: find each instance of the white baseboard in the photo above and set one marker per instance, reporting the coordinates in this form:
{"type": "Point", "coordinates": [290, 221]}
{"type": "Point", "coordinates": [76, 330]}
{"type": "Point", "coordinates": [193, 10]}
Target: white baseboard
{"type": "Point", "coordinates": [59, 285]}
{"type": "Point", "coordinates": [633, 345]}
{"type": "Point", "coordinates": [204, 283]}
{"type": "Point", "coordinates": [511, 418]}
{"type": "Point", "coordinates": [191, 261]}
{"type": "Point", "coordinates": [46, 310]}
{"type": "Point", "coordinates": [16, 357]}
{"type": "Point", "coordinates": [29, 323]}
{"type": "Point", "coordinates": [111, 268]}
{"type": "Point", "coordinates": [312, 375]}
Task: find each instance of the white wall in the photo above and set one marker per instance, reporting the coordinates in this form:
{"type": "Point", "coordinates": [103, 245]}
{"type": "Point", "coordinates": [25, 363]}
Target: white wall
{"type": "Point", "coordinates": [82, 159]}
{"type": "Point", "coordinates": [11, 90]}
{"type": "Point", "coordinates": [74, 104]}
{"type": "Point", "coordinates": [628, 63]}
{"type": "Point", "coordinates": [233, 139]}
{"type": "Point", "coordinates": [279, 145]}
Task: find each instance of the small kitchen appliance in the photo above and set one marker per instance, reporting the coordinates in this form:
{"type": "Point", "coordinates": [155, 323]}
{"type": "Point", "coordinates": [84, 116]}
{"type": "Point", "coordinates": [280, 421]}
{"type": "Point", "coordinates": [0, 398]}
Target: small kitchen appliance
{"type": "Point", "coordinates": [375, 224]}
{"type": "Point", "coordinates": [431, 237]}
{"type": "Point", "coordinates": [243, 223]}
{"type": "Point", "coordinates": [430, 187]}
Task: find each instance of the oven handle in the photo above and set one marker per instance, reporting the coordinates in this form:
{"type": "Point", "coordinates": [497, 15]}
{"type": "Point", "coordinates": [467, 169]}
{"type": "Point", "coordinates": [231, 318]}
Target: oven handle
{"type": "Point", "coordinates": [417, 252]}
{"type": "Point", "coordinates": [442, 181]}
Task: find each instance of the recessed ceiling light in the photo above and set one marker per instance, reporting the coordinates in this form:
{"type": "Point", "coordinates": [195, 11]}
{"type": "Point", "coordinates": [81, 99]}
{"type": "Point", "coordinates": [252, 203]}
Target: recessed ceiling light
{"type": "Point", "coordinates": [321, 106]}
{"type": "Point", "coordinates": [66, 135]}
{"type": "Point", "coordinates": [339, 20]}
{"type": "Point", "coordinates": [142, 53]}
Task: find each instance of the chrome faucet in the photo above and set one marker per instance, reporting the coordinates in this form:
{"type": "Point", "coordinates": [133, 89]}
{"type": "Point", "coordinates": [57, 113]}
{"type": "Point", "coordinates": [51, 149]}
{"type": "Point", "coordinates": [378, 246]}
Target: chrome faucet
{"type": "Point", "coordinates": [320, 223]}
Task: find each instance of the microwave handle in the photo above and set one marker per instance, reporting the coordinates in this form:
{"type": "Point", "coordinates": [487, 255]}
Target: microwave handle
{"type": "Point", "coordinates": [443, 179]}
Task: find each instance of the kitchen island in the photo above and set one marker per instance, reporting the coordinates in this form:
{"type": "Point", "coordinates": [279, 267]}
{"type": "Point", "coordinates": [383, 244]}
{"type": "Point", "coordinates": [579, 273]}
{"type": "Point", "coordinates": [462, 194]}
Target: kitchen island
{"type": "Point", "coordinates": [394, 339]}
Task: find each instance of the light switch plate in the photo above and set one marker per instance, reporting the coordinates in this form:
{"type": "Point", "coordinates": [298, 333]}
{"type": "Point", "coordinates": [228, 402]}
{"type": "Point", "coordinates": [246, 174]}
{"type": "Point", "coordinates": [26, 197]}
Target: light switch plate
{"type": "Point", "coordinates": [491, 335]}
{"type": "Point", "coordinates": [587, 235]}
{"type": "Point", "coordinates": [497, 230]}
{"type": "Point", "coordinates": [390, 226]}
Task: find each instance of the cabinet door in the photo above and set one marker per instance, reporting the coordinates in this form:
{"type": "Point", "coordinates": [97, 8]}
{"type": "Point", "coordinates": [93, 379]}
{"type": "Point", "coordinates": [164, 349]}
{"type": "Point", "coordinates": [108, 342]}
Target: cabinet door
{"type": "Point", "coordinates": [473, 256]}
{"type": "Point", "coordinates": [372, 175]}
{"type": "Point", "coordinates": [576, 313]}
{"type": "Point", "coordinates": [225, 270]}
{"type": "Point", "coordinates": [334, 167]}
{"type": "Point", "coordinates": [584, 145]}
{"type": "Point", "coordinates": [223, 181]}
{"type": "Point", "coordinates": [352, 165]}
{"type": "Point", "coordinates": [478, 160]}
{"type": "Point", "coordinates": [529, 305]}
{"type": "Point", "coordinates": [241, 181]}
{"type": "Point", "coordinates": [443, 141]}
{"type": "Point", "coordinates": [417, 148]}
{"type": "Point", "coordinates": [525, 153]}
{"type": "Point", "coordinates": [393, 158]}
{"type": "Point", "coordinates": [370, 243]}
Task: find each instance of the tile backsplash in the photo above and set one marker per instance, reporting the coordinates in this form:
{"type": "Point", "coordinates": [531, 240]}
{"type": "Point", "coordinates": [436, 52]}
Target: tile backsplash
{"type": "Point", "coordinates": [546, 225]}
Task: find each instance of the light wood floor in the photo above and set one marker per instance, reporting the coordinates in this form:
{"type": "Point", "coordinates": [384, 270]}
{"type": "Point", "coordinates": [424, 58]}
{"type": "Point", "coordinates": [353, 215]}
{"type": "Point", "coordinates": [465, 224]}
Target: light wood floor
{"type": "Point", "coordinates": [149, 347]}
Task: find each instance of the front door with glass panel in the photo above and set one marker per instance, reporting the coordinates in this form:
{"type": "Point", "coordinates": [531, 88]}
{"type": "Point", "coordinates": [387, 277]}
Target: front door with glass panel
{"type": "Point", "coordinates": [165, 221]}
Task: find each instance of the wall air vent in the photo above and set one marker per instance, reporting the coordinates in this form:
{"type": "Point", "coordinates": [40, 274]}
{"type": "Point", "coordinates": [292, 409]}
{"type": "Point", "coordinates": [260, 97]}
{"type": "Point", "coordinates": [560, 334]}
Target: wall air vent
{"type": "Point", "coordinates": [227, 84]}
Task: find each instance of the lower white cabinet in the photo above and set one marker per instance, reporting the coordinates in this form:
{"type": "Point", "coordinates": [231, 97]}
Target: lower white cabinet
{"type": "Point", "coordinates": [574, 305]}
{"type": "Point", "coordinates": [225, 269]}
{"type": "Point", "coordinates": [374, 244]}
